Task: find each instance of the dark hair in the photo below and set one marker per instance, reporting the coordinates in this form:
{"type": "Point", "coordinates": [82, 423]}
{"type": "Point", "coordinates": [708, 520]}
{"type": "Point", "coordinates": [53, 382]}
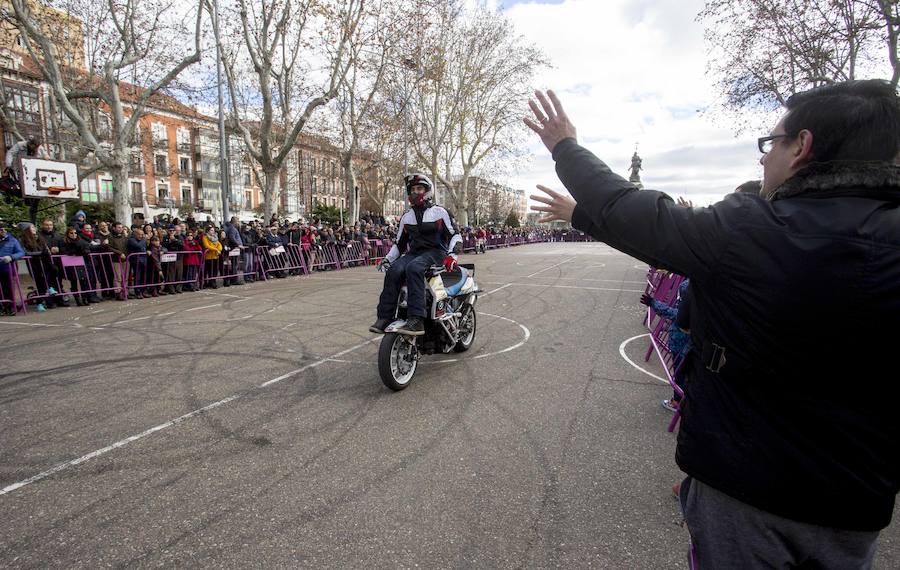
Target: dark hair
{"type": "Point", "coordinates": [851, 120]}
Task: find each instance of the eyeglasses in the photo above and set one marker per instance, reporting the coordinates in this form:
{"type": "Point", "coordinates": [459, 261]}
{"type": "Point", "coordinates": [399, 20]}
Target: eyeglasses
{"type": "Point", "coordinates": [765, 144]}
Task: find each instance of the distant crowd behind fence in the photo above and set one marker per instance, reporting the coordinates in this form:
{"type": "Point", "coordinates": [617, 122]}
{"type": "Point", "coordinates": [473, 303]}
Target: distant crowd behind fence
{"type": "Point", "coordinates": [53, 280]}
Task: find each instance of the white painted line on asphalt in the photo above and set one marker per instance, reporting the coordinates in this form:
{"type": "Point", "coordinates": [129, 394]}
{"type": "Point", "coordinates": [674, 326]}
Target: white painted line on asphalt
{"type": "Point", "coordinates": [527, 335]}
{"type": "Point", "coordinates": [286, 327]}
{"type": "Point", "coordinates": [495, 290]}
{"type": "Point", "coordinates": [30, 324]}
{"type": "Point", "coordinates": [116, 445]}
{"type": "Point", "coordinates": [229, 295]}
{"type": "Point", "coordinates": [551, 267]}
{"type": "Point", "coordinates": [574, 287]}
{"type": "Point", "coordinates": [631, 362]}
{"type": "Point", "coordinates": [595, 280]}
{"type": "Point", "coordinates": [203, 307]}
{"type": "Point", "coordinates": [168, 424]}
{"type": "Point", "coordinates": [166, 314]}
{"type": "Point", "coordinates": [316, 363]}
{"type": "Point", "coordinates": [133, 320]}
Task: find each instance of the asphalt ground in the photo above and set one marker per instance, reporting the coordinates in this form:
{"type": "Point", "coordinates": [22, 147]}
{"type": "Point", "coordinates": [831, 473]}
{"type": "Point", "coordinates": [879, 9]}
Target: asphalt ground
{"type": "Point", "coordinates": [247, 428]}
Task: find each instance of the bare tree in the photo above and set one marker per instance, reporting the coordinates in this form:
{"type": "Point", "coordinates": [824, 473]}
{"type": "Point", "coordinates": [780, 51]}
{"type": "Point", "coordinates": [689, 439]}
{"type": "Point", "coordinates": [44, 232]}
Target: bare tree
{"type": "Point", "coordinates": [763, 51]}
{"type": "Point", "coordinates": [370, 106]}
{"type": "Point", "coordinates": [287, 59]}
{"type": "Point", "coordinates": [472, 110]}
{"type": "Point", "coordinates": [128, 40]}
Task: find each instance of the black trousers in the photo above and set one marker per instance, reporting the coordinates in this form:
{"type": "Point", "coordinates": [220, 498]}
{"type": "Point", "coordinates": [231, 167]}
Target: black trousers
{"type": "Point", "coordinates": [411, 269]}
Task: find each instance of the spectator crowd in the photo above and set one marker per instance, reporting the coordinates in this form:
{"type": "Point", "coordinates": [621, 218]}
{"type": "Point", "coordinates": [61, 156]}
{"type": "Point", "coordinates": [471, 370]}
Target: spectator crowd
{"type": "Point", "coordinates": [170, 256]}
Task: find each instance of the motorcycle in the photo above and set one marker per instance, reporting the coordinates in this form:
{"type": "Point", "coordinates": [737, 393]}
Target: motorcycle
{"type": "Point", "coordinates": [449, 326]}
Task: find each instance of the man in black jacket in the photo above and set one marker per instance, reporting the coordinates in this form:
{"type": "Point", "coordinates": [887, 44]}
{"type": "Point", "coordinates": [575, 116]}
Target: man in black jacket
{"type": "Point", "coordinates": [789, 432]}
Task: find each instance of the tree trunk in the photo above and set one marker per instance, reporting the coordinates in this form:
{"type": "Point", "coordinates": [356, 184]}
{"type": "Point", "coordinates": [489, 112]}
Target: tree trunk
{"type": "Point", "coordinates": [462, 202]}
{"type": "Point", "coordinates": [270, 193]}
{"type": "Point", "coordinates": [350, 187]}
{"type": "Point", "coordinates": [121, 195]}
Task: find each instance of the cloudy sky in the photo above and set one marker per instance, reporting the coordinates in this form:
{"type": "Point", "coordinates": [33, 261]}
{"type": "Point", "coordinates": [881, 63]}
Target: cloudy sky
{"type": "Point", "coordinates": [633, 72]}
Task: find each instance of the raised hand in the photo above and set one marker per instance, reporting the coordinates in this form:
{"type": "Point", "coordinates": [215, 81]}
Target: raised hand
{"type": "Point", "coordinates": [558, 206]}
{"type": "Point", "coordinates": [551, 122]}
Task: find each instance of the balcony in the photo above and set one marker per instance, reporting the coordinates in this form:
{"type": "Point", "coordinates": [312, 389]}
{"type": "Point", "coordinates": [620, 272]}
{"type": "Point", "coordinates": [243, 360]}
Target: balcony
{"type": "Point", "coordinates": [185, 173]}
{"type": "Point", "coordinates": [136, 167]}
{"type": "Point", "coordinates": [160, 170]}
{"type": "Point", "coordinates": [184, 147]}
{"type": "Point", "coordinates": [161, 143]}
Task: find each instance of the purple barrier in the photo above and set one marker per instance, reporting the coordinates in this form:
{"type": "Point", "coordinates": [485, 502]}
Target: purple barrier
{"type": "Point", "coordinates": [666, 292]}
{"type": "Point", "coordinates": [175, 270]}
{"type": "Point", "coordinates": [11, 287]}
{"type": "Point", "coordinates": [87, 275]}
{"type": "Point", "coordinates": [380, 249]}
{"type": "Point", "coordinates": [279, 261]}
{"type": "Point", "coordinates": [323, 257]}
{"type": "Point", "coordinates": [233, 265]}
{"type": "Point", "coordinates": [352, 252]}
{"type": "Point", "coordinates": [659, 343]}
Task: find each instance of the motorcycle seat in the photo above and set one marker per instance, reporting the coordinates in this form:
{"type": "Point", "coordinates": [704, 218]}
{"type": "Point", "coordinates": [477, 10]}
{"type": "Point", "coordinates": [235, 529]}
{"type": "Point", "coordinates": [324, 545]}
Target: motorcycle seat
{"type": "Point", "coordinates": [454, 280]}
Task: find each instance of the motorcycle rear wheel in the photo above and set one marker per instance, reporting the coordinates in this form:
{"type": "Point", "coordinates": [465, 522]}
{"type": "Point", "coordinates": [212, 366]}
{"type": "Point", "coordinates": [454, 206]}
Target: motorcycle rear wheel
{"type": "Point", "coordinates": [397, 360]}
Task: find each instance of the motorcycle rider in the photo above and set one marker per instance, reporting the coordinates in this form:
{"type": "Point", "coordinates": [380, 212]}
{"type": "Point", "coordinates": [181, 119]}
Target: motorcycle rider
{"type": "Point", "coordinates": [429, 231]}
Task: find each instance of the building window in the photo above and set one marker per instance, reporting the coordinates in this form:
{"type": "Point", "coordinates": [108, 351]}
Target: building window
{"type": "Point", "coordinates": [136, 164]}
{"type": "Point", "coordinates": [106, 190]}
{"type": "Point", "coordinates": [248, 200]}
{"type": "Point", "coordinates": [137, 193]}
{"type": "Point", "coordinates": [23, 103]}
{"type": "Point", "coordinates": [159, 165]}
{"type": "Point", "coordinates": [89, 190]}
{"type": "Point", "coordinates": [184, 164]}
{"type": "Point", "coordinates": [186, 197]}
{"type": "Point", "coordinates": [247, 178]}
{"type": "Point", "coordinates": [162, 192]}
{"type": "Point", "coordinates": [293, 204]}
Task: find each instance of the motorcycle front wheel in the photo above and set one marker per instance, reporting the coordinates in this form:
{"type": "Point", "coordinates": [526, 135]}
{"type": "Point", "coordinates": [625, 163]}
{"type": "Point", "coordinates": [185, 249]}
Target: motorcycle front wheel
{"type": "Point", "coordinates": [397, 360]}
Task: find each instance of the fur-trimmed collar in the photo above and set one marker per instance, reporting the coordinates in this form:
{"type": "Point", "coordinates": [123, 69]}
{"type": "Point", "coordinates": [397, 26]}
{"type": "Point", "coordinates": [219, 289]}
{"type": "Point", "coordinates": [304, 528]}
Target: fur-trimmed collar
{"type": "Point", "coordinates": [843, 178]}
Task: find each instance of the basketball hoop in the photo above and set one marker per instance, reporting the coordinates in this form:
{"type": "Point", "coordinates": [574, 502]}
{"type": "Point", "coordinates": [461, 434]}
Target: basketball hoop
{"type": "Point", "coordinates": [56, 190]}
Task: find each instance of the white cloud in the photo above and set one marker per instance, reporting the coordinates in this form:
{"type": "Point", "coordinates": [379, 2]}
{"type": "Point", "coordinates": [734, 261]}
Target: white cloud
{"type": "Point", "coordinates": [633, 72]}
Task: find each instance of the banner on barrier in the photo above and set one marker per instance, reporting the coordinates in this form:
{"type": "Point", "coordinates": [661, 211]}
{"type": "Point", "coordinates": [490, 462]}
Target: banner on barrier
{"type": "Point", "coordinates": [168, 257]}
{"type": "Point", "coordinates": [234, 253]}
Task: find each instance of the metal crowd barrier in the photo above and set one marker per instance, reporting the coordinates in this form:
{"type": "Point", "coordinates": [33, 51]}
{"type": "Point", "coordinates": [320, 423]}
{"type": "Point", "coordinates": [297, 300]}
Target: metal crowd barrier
{"type": "Point", "coordinates": [108, 272]}
{"type": "Point", "coordinates": [379, 249]}
{"type": "Point", "coordinates": [232, 265]}
{"type": "Point", "coordinates": [10, 274]}
{"type": "Point", "coordinates": [280, 260]}
{"type": "Point", "coordinates": [139, 275]}
{"type": "Point", "coordinates": [665, 292]}
{"type": "Point", "coordinates": [87, 275]}
{"type": "Point", "coordinates": [352, 253]}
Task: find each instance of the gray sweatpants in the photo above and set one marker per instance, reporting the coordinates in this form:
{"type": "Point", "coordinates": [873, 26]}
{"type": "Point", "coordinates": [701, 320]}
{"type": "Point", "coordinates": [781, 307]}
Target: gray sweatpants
{"type": "Point", "coordinates": [727, 533]}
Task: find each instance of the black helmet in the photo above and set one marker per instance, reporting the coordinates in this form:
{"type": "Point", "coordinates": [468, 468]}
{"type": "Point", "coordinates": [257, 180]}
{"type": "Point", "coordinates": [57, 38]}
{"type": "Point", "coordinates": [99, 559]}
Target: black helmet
{"type": "Point", "coordinates": [419, 200]}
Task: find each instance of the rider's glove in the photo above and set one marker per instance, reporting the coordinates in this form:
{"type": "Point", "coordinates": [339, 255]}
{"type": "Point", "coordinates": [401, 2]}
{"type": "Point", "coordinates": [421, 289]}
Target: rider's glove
{"type": "Point", "coordinates": [450, 264]}
{"type": "Point", "coordinates": [646, 299]}
{"type": "Point", "coordinates": [384, 265]}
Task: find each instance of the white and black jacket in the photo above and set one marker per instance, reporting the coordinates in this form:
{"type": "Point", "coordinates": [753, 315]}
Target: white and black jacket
{"type": "Point", "coordinates": [426, 229]}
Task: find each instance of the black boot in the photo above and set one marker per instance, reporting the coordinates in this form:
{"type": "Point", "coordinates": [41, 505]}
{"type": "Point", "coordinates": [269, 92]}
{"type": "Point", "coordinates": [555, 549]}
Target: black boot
{"type": "Point", "coordinates": [414, 326]}
{"type": "Point", "coordinates": [379, 326]}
